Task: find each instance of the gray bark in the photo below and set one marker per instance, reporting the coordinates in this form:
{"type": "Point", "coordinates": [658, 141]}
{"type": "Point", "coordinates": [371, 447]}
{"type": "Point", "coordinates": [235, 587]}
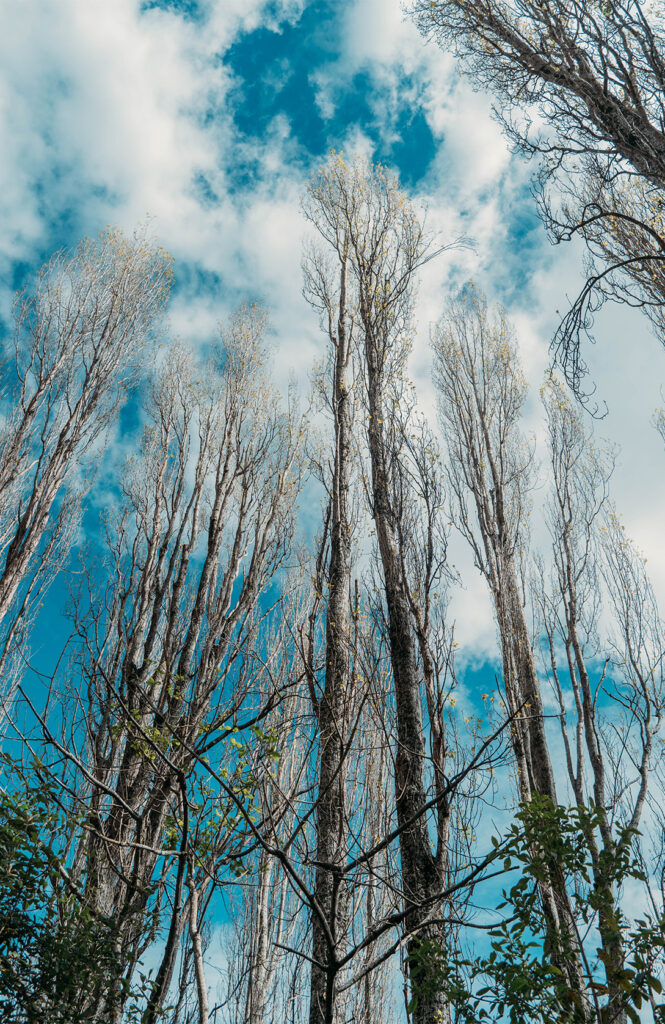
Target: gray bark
{"type": "Point", "coordinates": [331, 706]}
{"type": "Point", "coordinates": [197, 948]}
{"type": "Point", "coordinates": [423, 874]}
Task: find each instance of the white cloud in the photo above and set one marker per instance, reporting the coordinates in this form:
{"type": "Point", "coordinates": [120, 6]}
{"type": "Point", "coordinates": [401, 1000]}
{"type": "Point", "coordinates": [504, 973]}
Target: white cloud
{"type": "Point", "coordinates": [375, 31]}
{"type": "Point", "coordinates": [101, 100]}
{"type": "Point", "coordinates": [114, 113]}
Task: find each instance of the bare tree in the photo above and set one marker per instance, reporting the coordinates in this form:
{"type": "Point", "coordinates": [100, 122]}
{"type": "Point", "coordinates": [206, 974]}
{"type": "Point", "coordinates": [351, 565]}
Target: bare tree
{"type": "Point", "coordinates": [270, 909]}
{"type": "Point", "coordinates": [580, 474]}
{"type": "Point", "coordinates": [596, 72]}
{"type": "Point", "coordinates": [269, 919]}
{"type": "Point", "coordinates": [481, 391]}
{"type": "Point", "coordinates": [327, 290]}
{"type": "Point", "coordinates": [78, 345]}
{"type": "Point", "coordinates": [595, 75]}
{"type": "Point", "coordinates": [363, 214]}
{"type": "Point", "coordinates": [571, 605]}
{"type": "Point", "coordinates": [611, 739]}
{"type": "Point", "coordinates": [638, 648]}
{"type": "Point", "coordinates": [170, 653]}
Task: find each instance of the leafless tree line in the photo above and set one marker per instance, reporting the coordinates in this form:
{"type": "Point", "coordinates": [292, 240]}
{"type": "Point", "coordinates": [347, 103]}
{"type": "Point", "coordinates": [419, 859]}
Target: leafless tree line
{"type": "Point", "coordinates": [254, 733]}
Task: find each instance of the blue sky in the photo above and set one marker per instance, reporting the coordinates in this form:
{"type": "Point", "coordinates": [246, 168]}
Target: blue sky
{"type": "Point", "coordinates": [209, 116]}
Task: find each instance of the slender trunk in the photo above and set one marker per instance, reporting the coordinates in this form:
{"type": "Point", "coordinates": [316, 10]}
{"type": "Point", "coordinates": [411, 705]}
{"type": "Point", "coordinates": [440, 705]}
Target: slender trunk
{"type": "Point", "coordinates": [330, 820]}
{"type": "Point", "coordinates": [525, 689]}
{"type": "Point", "coordinates": [197, 948]}
{"type": "Point", "coordinates": [610, 933]}
{"type": "Point", "coordinates": [535, 771]}
{"type": "Point", "coordinates": [421, 871]}
{"type": "Point", "coordinates": [257, 987]}
{"type": "Point", "coordinates": [165, 972]}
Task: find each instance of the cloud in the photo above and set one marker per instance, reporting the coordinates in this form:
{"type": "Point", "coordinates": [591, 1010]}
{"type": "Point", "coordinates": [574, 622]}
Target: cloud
{"type": "Point", "coordinates": [112, 111]}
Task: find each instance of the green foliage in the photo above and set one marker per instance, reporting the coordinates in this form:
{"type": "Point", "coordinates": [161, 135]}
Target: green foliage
{"type": "Point", "coordinates": [59, 958]}
{"type": "Point", "coordinates": [56, 957]}
{"type": "Point", "coordinates": [520, 980]}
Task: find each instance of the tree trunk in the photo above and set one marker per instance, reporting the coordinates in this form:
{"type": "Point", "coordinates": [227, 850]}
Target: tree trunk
{"type": "Point", "coordinates": [199, 967]}
{"type": "Point", "coordinates": [534, 768]}
{"type": "Point", "coordinates": [330, 819]}
{"type": "Point", "coordinates": [421, 871]}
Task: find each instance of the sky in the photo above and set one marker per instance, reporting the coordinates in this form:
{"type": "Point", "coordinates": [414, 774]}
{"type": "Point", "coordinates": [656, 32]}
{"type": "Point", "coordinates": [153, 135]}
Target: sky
{"type": "Point", "coordinates": [208, 116]}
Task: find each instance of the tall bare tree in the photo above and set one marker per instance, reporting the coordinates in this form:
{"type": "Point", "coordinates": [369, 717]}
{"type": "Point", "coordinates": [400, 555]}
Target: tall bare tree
{"type": "Point", "coordinates": [79, 340]}
{"type": "Point", "coordinates": [594, 74]}
{"type": "Point", "coordinates": [607, 678]}
{"type": "Point", "coordinates": [481, 391]}
{"type": "Point", "coordinates": [363, 214]}
{"type": "Point", "coordinates": [170, 652]}
{"type": "Point", "coordinates": [327, 289]}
